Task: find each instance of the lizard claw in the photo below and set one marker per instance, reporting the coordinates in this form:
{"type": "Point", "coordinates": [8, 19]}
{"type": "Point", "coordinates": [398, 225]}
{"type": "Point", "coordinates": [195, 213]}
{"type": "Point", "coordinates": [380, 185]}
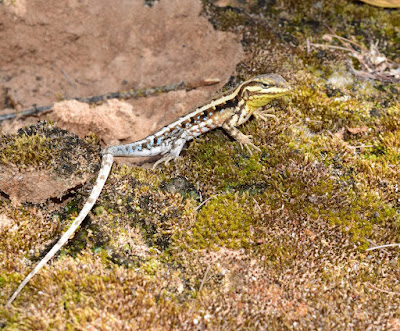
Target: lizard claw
{"type": "Point", "coordinates": [264, 115]}
{"type": "Point", "coordinates": [246, 141]}
{"type": "Point", "coordinates": [164, 159]}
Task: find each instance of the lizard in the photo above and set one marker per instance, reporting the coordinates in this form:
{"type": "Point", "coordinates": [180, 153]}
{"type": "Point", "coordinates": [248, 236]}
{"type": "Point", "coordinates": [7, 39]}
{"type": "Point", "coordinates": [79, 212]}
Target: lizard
{"type": "Point", "coordinates": [231, 109]}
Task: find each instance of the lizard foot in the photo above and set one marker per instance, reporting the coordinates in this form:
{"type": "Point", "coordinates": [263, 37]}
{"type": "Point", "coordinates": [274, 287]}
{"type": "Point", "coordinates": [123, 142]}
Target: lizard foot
{"type": "Point", "coordinates": [164, 159]}
{"type": "Point", "coordinates": [264, 115]}
{"type": "Point", "coordinates": [246, 141]}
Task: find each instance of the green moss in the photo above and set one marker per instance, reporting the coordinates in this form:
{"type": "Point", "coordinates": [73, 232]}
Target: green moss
{"type": "Point", "coordinates": [150, 267]}
{"type": "Point", "coordinates": [26, 150]}
{"type": "Point", "coordinates": [98, 210]}
{"type": "Point", "coordinates": [322, 113]}
{"type": "Point", "coordinates": [225, 221]}
{"type": "Point", "coordinates": [45, 146]}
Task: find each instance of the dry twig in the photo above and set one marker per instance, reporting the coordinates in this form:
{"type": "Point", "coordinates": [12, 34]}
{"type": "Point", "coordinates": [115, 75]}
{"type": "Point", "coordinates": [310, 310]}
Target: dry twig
{"type": "Point", "coordinates": [382, 246]}
{"type": "Point", "coordinates": [382, 290]}
{"type": "Point", "coordinates": [373, 64]}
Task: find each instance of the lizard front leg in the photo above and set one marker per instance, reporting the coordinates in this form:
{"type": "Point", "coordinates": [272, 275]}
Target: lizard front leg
{"type": "Point", "coordinates": [240, 137]}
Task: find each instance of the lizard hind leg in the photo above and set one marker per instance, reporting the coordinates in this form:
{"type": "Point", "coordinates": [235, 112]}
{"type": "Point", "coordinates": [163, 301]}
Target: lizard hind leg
{"type": "Point", "coordinates": [164, 159]}
{"type": "Point", "coordinates": [173, 153]}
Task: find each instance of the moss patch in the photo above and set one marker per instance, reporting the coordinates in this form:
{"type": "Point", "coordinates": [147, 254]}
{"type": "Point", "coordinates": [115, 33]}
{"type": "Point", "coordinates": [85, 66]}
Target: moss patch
{"type": "Point", "coordinates": [45, 146]}
{"type": "Point", "coordinates": [223, 222]}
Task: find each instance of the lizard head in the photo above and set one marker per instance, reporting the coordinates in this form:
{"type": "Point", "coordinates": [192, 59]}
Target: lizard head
{"type": "Point", "coordinates": [260, 90]}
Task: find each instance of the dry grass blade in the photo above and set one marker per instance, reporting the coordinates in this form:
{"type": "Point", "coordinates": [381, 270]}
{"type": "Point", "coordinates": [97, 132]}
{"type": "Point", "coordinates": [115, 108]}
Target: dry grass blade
{"type": "Point", "coordinates": [382, 246]}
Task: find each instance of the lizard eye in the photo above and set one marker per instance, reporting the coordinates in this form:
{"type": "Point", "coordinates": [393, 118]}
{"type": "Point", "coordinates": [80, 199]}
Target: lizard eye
{"type": "Point", "coordinates": [265, 85]}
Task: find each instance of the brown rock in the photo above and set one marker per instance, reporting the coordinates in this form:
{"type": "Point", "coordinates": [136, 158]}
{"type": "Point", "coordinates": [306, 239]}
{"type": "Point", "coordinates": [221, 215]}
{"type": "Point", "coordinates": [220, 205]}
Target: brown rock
{"type": "Point", "coordinates": [75, 49]}
{"type": "Point", "coordinates": [36, 186]}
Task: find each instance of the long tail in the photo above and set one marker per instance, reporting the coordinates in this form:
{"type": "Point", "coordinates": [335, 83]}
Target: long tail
{"type": "Point", "coordinates": [101, 179]}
